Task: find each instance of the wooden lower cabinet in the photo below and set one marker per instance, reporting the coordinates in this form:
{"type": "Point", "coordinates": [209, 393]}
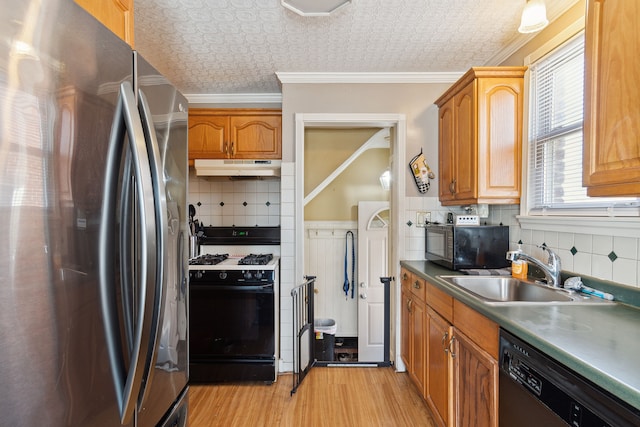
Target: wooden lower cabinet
{"type": "Point", "coordinates": [406, 301]}
{"type": "Point", "coordinates": [475, 384]}
{"type": "Point", "coordinates": [437, 390]}
{"type": "Point", "coordinates": [451, 352]}
{"type": "Point", "coordinates": [405, 344]}
{"type": "Point", "coordinates": [414, 321]}
{"type": "Point", "coordinates": [418, 319]}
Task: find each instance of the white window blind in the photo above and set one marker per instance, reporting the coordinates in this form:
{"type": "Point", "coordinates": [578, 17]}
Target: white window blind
{"type": "Point", "coordinates": [555, 134]}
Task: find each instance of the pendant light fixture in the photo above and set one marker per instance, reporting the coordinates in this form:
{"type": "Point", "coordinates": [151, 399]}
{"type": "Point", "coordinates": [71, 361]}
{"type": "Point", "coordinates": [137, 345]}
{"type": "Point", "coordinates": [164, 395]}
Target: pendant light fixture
{"type": "Point", "coordinates": [534, 17]}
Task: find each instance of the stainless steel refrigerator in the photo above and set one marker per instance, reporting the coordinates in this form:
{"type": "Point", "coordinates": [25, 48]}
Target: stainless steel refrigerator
{"type": "Point", "coordinates": [93, 226]}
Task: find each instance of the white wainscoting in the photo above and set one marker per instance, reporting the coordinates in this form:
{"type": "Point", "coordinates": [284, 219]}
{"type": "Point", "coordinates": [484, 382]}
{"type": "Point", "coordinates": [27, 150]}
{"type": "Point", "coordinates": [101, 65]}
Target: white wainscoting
{"type": "Point", "coordinates": [324, 249]}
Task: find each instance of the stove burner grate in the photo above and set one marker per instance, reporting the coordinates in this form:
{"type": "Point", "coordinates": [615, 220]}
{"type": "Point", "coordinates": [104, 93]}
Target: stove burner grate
{"type": "Point", "coordinates": [208, 259]}
{"type": "Point", "coordinates": [256, 259]}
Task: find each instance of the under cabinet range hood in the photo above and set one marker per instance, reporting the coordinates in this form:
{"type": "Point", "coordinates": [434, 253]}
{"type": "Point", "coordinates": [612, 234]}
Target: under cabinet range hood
{"type": "Point", "coordinates": [233, 168]}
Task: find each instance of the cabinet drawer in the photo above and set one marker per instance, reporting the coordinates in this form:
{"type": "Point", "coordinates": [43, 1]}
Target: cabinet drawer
{"type": "Point", "coordinates": [484, 332]}
{"type": "Point", "coordinates": [440, 301]}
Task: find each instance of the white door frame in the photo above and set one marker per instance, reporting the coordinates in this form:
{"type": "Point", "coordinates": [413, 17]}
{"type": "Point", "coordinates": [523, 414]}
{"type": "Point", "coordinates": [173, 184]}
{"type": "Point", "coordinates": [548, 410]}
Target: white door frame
{"type": "Point", "coordinates": [396, 203]}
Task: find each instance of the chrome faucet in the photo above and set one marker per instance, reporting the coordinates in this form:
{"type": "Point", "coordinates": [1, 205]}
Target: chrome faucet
{"type": "Point", "coordinates": [551, 269]}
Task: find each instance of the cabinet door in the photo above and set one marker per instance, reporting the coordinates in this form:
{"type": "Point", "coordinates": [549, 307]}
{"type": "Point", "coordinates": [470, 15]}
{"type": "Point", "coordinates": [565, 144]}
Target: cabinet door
{"type": "Point", "coordinates": [612, 98]}
{"type": "Point", "coordinates": [208, 136]}
{"type": "Point", "coordinates": [499, 103]}
{"type": "Point", "coordinates": [256, 137]}
{"type": "Point", "coordinates": [465, 147]}
{"type": "Point", "coordinates": [437, 390]}
{"type": "Point", "coordinates": [418, 318]}
{"type": "Point", "coordinates": [446, 185]}
{"type": "Point", "coordinates": [475, 384]}
{"type": "Point", "coordinates": [116, 15]}
{"type": "Point", "coordinates": [405, 344]}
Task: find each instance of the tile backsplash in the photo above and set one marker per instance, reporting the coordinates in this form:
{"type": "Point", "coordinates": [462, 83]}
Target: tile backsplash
{"type": "Point", "coordinates": [612, 258]}
{"type": "Point", "coordinates": [242, 202]}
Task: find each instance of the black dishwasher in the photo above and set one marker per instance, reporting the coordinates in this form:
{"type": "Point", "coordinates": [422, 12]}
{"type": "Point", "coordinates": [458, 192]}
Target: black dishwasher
{"type": "Point", "coordinates": [536, 390]}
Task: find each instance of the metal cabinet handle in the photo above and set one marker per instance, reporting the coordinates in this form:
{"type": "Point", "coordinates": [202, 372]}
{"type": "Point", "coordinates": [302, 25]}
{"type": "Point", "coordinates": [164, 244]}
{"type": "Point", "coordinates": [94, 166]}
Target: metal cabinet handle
{"type": "Point", "coordinates": [405, 276]}
{"type": "Point", "coordinates": [233, 148]}
{"type": "Point", "coordinates": [416, 284]}
{"type": "Point", "coordinates": [452, 186]}
{"type": "Point", "coordinates": [409, 305]}
{"type": "Point", "coordinates": [444, 340]}
{"type": "Point", "coordinates": [451, 347]}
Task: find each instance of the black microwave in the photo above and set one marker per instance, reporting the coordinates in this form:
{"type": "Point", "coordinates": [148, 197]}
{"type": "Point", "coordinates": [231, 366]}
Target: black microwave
{"type": "Point", "coordinates": [467, 246]}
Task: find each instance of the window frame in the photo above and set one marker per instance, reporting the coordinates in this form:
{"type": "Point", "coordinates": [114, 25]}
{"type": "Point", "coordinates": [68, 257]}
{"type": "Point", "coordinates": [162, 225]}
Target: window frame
{"type": "Point", "coordinates": [601, 221]}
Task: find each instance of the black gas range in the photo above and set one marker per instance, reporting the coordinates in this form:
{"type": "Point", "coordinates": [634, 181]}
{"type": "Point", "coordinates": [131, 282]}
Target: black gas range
{"type": "Point", "coordinates": [234, 304]}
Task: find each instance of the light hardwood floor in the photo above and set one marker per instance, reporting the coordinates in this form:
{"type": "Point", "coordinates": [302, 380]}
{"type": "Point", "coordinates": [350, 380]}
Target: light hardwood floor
{"type": "Point", "coordinates": [329, 396]}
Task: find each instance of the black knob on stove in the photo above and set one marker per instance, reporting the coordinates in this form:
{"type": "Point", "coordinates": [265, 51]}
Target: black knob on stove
{"type": "Point", "coordinates": [247, 275]}
{"type": "Point", "coordinates": [222, 275]}
{"type": "Point", "coordinates": [258, 274]}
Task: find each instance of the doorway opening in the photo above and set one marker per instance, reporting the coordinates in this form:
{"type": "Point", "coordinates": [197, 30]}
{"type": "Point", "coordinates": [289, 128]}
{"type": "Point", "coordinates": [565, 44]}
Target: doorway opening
{"type": "Point", "coordinates": [336, 227]}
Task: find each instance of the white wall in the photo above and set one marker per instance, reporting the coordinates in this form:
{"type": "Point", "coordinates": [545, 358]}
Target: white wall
{"type": "Point", "coordinates": [324, 258]}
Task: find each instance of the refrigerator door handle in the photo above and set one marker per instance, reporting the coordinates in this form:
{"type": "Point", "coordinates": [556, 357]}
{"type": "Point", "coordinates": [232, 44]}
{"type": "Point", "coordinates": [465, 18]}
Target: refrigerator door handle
{"type": "Point", "coordinates": [161, 236]}
{"type": "Point", "coordinates": [127, 272]}
{"type": "Point", "coordinates": [128, 377]}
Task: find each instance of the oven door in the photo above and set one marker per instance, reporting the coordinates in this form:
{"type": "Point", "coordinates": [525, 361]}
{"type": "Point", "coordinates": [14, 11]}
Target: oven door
{"type": "Point", "coordinates": [232, 332]}
{"type": "Point", "coordinates": [232, 321]}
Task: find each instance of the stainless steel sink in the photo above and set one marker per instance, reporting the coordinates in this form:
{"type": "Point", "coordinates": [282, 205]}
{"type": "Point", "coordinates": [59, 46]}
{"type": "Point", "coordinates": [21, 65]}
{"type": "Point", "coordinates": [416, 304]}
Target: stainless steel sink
{"type": "Point", "coordinates": [504, 290]}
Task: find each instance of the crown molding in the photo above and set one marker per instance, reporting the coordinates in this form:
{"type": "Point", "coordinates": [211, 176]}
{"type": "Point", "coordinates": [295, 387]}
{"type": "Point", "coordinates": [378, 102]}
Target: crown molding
{"type": "Point", "coordinates": [318, 78]}
{"type": "Point", "coordinates": [356, 78]}
{"type": "Point", "coordinates": [234, 98]}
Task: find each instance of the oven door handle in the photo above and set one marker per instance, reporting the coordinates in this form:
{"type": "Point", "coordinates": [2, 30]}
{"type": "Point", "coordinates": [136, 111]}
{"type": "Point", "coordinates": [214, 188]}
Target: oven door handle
{"type": "Point", "coordinates": [267, 287]}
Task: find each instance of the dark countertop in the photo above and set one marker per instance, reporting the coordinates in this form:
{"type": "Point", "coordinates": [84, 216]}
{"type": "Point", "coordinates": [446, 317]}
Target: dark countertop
{"type": "Point", "coordinates": [601, 343]}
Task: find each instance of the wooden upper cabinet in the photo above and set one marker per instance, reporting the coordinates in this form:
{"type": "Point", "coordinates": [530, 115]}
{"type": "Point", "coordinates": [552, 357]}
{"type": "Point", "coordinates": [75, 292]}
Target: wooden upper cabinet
{"type": "Point", "coordinates": [208, 135]}
{"type": "Point", "coordinates": [445, 152]}
{"type": "Point", "coordinates": [256, 137]}
{"type": "Point", "coordinates": [612, 99]}
{"type": "Point", "coordinates": [480, 137]}
{"type": "Point", "coordinates": [465, 148]}
{"type": "Point", "coordinates": [235, 134]}
{"type": "Point", "coordinates": [117, 15]}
